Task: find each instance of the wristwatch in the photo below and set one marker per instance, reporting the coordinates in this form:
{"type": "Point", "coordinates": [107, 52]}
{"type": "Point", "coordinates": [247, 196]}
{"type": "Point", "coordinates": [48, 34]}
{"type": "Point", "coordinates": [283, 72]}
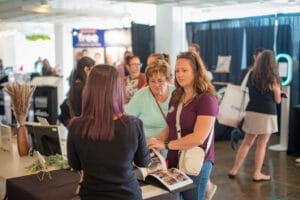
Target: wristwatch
{"type": "Point", "coordinates": [166, 145]}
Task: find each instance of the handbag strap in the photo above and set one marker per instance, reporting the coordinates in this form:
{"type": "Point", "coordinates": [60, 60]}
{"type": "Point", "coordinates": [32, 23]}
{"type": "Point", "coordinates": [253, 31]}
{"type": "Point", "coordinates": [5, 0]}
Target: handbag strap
{"type": "Point", "coordinates": [160, 109]}
{"type": "Point", "coordinates": [245, 80]}
{"type": "Point", "coordinates": [178, 127]}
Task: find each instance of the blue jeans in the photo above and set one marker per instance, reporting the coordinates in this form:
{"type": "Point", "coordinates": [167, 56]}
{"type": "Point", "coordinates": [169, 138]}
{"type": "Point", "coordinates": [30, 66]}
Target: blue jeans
{"type": "Point", "coordinates": [198, 193]}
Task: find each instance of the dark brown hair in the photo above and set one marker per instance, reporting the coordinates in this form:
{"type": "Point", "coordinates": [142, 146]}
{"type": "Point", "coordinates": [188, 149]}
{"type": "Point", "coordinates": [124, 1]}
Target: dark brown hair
{"type": "Point", "coordinates": [265, 72]}
{"type": "Point", "coordinates": [102, 99]}
{"type": "Point", "coordinates": [201, 82]}
{"type": "Point", "coordinates": [129, 58]}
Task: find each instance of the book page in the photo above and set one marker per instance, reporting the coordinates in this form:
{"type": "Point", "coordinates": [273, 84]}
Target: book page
{"type": "Point", "coordinates": [172, 178]}
{"type": "Point", "coordinates": [157, 163]}
{"type": "Point", "coordinates": [149, 191]}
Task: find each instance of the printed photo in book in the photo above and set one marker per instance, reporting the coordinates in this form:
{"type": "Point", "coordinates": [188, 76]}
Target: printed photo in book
{"type": "Point", "coordinates": [158, 174]}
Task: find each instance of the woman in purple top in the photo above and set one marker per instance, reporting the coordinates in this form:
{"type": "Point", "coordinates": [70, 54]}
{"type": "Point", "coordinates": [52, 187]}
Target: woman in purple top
{"type": "Point", "coordinates": [200, 108]}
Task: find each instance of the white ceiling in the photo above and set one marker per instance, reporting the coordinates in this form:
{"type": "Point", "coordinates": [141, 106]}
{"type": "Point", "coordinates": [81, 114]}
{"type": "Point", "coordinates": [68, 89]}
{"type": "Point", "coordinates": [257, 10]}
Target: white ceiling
{"type": "Point", "coordinates": [59, 11]}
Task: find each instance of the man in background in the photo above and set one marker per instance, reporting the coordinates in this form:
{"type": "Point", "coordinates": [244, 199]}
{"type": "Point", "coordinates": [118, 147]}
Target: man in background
{"type": "Point", "coordinates": [256, 53]}
{"type": "Point", "coordinates": [193, 47]}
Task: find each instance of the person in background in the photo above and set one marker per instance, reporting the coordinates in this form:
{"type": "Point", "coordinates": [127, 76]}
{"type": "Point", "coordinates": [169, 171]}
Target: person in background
{"type": "Point", "coordinates": [135, 80]}
{"type": "Point", "coordinates": [122, 66]}
{"type": "Point", "coordinates": [104, 143]}
{"type": "Point", "coordinates": [193, 47]}
{"type": "Point", "coordinates": [260, 120]}
{"type": "Point", "coordinates": [144, 103]}
{"type": "Point", "coordinates": [47, 70]}
{"type": "Point", "coordinates": [78, 79]}
{"type": "Point", "coordinates": [256, 54]}
{"type": "Point", "coordinates": [158, 56]}
{"type": "Point", "coordinates": [199, 111]}
{"type": "Point", "coordinates": [38, 64]}
{"type": "Point", "coordinates": [78, 56]}
{"type": "Point", "coordinates": [237, 134]}
{"type": "Point", "coordinates": [85, 53]}
{"type": "Point", "coordinates": [97, 57]}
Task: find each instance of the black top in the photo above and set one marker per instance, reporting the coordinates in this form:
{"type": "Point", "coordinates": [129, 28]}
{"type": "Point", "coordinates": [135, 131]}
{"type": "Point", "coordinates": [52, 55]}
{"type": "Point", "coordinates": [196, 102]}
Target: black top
{"type": "Point", "coordinates": [261, 102]}
{"type": "Point", "coordinates": [75, 97]}
{"type": "Point", "coordinates": [107, 165]}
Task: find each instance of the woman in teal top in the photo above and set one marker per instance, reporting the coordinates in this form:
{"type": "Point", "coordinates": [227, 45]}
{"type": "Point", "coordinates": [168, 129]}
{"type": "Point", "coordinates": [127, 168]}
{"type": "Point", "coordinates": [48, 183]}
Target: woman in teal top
{"type": "Point", "coordinates": [144, 102]}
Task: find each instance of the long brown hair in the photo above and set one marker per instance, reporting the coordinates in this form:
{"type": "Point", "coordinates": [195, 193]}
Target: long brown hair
{"type": "Point", "coordinates": [201, 82]}
{"type": "Point", "coordinates": [102, 99]}
{"type": "Point", "coordinates": [265, 73]}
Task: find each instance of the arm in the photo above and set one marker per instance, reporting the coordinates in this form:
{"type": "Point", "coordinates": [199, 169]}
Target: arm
{"type": "Point", "coordinates": [162, 137]}
{"type": "Point", "coordinates": [142, 155]}
{"type": "Point", "coordinates": [277, 92]}
{"type": "Point", "coordinates": [73, 158]}
{"type": "Point", "coordinates": [201, 131]}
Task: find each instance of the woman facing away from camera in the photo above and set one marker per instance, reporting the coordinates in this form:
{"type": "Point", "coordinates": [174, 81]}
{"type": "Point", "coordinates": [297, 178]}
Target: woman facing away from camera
{"type": "Point", "coordinates": [78, 79]}
{"type": "Point", "coordinates": [200, 108]}
{"type": "Point", "coordinates": [103, 142]}
{"type": "Point", "coordinates": [261, 115]}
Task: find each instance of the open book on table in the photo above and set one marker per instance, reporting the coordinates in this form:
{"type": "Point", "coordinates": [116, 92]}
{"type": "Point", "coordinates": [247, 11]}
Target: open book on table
{"type": "Point", "coordinates": [158, 174]}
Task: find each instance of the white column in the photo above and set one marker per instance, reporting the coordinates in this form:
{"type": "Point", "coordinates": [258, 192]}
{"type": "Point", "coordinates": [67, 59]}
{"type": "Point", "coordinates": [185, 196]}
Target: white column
{"type": "Point", "coordinates": [170, 34]}
{"type": "Point", "coordinates": [63, 55]}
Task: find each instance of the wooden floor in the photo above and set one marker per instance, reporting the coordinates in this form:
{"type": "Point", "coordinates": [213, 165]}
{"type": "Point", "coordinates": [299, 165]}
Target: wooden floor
{"type": "Point", "coordinates": [285, 172]}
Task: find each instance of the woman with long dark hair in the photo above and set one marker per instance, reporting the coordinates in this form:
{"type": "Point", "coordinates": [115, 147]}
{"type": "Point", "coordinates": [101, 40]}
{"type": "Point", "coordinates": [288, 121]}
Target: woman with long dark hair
{"type": "Point", "coordinates": [261, 115]}
{"type": "Point", "coordinates": [103, 142]}
{"type": "Point", "coordinates": [78, 79]}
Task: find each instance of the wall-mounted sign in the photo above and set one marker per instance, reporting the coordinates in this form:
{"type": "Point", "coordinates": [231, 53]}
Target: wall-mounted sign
{"type": "Point", "coordinates": [88, 38]}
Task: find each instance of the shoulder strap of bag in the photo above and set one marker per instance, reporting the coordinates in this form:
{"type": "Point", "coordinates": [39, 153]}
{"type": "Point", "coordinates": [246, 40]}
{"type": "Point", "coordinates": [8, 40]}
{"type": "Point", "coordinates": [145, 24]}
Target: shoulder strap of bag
{"type": "Point", "coordinates": [245, 80]}
{"type": "Point", "coordinates": [160, 109]}
{"type": "Point", "coordinates": [178, 128]}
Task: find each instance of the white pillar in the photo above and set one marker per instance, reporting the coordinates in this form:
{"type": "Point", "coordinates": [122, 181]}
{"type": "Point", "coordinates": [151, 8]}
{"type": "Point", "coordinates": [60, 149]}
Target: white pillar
{"type": "Point", "coordinates": [8, 52]}
{"type": "Point", "coordinates": [63, 55]}
{"type": "Point", "coordinates": [170, 34]}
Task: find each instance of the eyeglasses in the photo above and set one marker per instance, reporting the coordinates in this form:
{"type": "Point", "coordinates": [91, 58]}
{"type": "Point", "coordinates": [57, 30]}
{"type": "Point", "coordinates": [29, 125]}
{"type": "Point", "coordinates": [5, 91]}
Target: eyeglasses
{"type": "Point", "coordinates": [136, 64]}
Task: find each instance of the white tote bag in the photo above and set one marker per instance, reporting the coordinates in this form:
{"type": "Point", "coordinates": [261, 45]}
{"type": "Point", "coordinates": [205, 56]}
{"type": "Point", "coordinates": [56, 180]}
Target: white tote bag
{"type": "Point", "coordinates": [234, 103]}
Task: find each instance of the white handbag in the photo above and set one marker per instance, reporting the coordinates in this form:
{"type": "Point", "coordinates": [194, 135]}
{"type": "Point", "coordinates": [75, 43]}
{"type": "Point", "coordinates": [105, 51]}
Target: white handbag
{"type": "Point", "coordinates": [191, 160]}
{"type": "Point", "coordinates": [234, 103]}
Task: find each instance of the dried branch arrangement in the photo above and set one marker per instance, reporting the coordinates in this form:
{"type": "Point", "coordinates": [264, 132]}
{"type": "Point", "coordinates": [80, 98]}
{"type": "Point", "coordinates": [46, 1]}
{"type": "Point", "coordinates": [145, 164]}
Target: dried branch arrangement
{"type": "Point", "coordinates": [20, 98]}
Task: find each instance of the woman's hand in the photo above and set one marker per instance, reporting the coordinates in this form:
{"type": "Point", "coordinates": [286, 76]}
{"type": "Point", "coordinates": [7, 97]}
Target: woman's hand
{"type": "Point", "coordinates": [155, 143]}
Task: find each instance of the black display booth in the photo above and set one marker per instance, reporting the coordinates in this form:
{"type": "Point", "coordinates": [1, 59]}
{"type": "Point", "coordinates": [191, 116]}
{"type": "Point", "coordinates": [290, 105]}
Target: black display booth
{"type": "Point", "coordinates": [46, 97]}
{"type": "Point", "coordinates": [45, 103]}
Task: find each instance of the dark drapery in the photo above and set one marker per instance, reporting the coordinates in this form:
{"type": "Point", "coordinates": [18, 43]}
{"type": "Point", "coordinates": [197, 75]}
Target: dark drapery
{"type": "Point", "coordinates": [142, 41]}
{"type": "Point", "coordinates": [261, 36]}
{"type": "Point", "coordinates": [215, 42]}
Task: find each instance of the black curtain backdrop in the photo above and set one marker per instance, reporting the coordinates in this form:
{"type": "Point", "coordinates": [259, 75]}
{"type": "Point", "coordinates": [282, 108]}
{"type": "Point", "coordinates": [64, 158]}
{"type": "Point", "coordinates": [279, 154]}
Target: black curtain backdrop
{"type": "Point", "coordinates": [227, 42]}
{"type": "Point", "coordinates": [258, 36]}
{"type": "Point", "coordinates": [143, 43]}
{"type": "Point", "coordinates": [215, 42]}
{"type": "Point", "coordinates": [283, 40]}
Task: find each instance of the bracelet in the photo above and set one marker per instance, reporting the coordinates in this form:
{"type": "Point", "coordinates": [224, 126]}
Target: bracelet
{"type": "Point", "coordinates": [166, 145]}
